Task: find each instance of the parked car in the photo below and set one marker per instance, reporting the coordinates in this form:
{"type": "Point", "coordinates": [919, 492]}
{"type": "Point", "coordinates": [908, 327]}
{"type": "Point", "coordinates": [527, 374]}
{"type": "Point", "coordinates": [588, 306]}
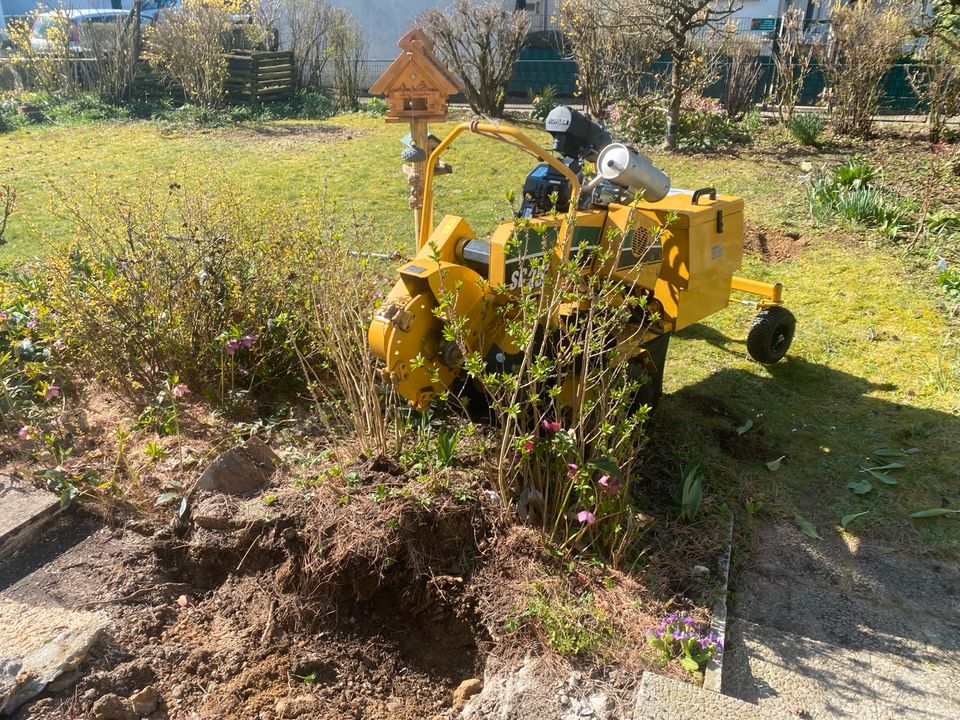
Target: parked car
{"type": "Point", "coordinates": [73, 22]}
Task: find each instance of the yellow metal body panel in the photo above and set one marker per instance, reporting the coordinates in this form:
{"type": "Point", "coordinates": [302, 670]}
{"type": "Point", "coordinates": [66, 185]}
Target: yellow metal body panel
{"type": "Point", "coordinates": [681, 255]}
{"type": "Point", "coordinates": [702, 250]}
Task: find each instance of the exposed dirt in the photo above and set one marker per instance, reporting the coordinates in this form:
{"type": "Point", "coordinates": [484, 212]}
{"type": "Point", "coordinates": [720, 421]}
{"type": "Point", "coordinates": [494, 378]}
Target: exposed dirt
{"type": "Point", "coordinates": [771, 243]}
{"type": "Point", "coordinates": [245, 610]}
{"type": "Point", "coordinates": [342, 589]}
{"type": "Point", "coordinates": [370, 596]}
{"type": "Point", "coordinates": [748, 446]}
{"type": "Point", "coordinates": [289, 134]}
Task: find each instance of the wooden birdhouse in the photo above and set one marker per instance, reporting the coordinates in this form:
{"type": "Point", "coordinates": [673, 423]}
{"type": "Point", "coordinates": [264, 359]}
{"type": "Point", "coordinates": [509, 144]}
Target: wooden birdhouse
{"type": "Point", "coordinates": [416, 84]}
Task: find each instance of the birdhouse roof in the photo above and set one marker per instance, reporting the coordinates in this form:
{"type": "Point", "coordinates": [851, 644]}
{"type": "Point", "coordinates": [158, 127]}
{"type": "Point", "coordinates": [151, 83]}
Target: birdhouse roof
{"type": "Point", "coordinates": [417, 54]}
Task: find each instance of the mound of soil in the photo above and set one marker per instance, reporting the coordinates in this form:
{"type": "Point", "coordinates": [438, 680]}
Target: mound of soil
{"type": "Point", "coordinates": [370, 593]}
{"type": "Point", "coordinates": [771, 244]}
{"type": "Point", "coordinates": [356, 600]}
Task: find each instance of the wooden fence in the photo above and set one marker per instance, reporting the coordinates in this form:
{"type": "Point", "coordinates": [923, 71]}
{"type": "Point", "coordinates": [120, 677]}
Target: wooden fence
{"type": "Point", "coordinates": [254, 76]}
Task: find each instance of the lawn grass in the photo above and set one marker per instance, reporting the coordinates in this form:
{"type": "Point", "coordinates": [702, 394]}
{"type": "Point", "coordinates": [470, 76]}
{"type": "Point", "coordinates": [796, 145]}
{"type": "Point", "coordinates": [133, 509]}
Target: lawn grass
{"type": "Point", "coordinates": [874, 364]}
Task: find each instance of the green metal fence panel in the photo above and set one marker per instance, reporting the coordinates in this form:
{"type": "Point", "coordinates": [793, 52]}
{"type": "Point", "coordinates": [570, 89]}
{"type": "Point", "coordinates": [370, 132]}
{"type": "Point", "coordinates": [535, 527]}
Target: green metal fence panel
{"type": "Point", "coordinates": [539, 67]}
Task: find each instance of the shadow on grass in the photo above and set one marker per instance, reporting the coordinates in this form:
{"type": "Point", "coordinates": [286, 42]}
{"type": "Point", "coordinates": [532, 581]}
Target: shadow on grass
{"type": "Point", "coordinates": [886, 589]}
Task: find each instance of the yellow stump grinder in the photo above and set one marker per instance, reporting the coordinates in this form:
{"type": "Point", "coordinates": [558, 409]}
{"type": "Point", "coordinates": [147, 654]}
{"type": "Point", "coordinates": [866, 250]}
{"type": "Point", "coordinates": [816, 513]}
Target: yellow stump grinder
{"type": "Point", "coordinates": [680, 249]}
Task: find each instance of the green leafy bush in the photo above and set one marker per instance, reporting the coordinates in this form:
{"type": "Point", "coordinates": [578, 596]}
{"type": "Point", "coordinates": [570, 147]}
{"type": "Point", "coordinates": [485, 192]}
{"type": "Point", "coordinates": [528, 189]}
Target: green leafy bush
{"type": "Point", "coordinates": [848, 192]}
{"type": "Point", "coordinates": [376, 107]}
{"type": "Point", "coordinates": [805, 128]}
{"type": "Point", "coordinates": [949, 280]}
{"type": "Point", "coordinates": [238, 302]}
{"type": "Point", "coordinates": [542, 104]}
{"type": "Point", "coordinates": [30, 376]}
{"type": "Point", "coordinates": [703, 126]}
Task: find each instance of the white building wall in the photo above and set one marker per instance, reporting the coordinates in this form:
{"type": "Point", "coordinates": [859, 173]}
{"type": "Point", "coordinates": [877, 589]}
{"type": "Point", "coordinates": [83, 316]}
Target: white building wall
{"type": "Point", "coordinates": [385, 21]}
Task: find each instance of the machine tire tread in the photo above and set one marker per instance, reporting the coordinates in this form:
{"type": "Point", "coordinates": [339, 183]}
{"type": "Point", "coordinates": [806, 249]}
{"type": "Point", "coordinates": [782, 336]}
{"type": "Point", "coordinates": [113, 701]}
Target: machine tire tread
{"type": "Point", "coordinates": [771, 334]}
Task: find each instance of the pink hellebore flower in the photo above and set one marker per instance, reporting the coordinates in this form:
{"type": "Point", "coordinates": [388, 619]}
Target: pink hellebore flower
{"type": "Point", "coordinates": [231, 347]}
{"type": "Point", "coordinates": [572, 470]}
{"type": "Point", "coordinates": [551, 427]}
{"type": "Point", "coordinates": [611, 485]}
{"type": "Point", "coordinates": [585, 517]}
{"type": "Point", "coordinates": [248, 340]}
{"type": "Point", "coordinates": [180, 391]}
{"type": "Point", "coordinates": [51, 392]}
{"type": "Point", "coordinates": [528, 445]}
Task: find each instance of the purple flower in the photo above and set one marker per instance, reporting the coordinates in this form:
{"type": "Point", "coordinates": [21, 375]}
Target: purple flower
{"type": "Point", "coordinates": [585, 517]}
{"type": "Point", "coordinates": [572, 470]}
{"type": "Point", "coordinates": [180, 391]}
{"type": "Point", "coordinates": [551, 427]}
{"type": "Point", "coordinates": [688, 621]}
{"type": "Point", "coordinates": [611, 485]}
{"type": "Point", "coordinates": [248, 340]}
{"type": "Point", "coordinates": [51, 392]}
{"type": "Point", "coordinates": [25, 432]}
{"type": "Point", "coordinates": [671, 618]}
{"type": "Point", "coordinates": [231, 347]}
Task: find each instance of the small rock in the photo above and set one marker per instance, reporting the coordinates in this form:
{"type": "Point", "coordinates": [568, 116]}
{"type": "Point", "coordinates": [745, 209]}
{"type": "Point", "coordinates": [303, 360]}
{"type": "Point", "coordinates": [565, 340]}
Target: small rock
{"type": "Point", "coordinates": [90, 694]}
{"type": "Point", "coordinates": [145, 701]}
{"type": "Point", "coordinates": [240, 470]}
{"type": "Point", "coordinates": [700, 571]}
{"type": "Point", "coordinates": [112, 707]}
{"type": "Point", "coordinates": [299, 706]}
{"type": "Point", "coordinates": [602, 705]}
{"type": "Point", "coordinates": [466, 690]}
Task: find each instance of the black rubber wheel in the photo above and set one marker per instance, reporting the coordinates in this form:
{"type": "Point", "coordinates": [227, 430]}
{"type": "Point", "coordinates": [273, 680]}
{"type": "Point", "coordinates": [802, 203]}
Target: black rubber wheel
{"type": "Point", "coordinates": [771, 334]}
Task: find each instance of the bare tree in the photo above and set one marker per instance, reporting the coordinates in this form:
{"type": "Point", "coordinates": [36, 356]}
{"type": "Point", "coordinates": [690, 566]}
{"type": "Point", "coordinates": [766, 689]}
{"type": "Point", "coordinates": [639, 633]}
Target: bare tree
{"type": "Point", "coordinates": [480, 43]}
{"type": "Point", "coordinates": [792, 62]}
{"type": "Point", "coordinates": [936, 81]}
{"type": "Point", "coordinates": [743, 75]}
{"type": "Point", "coordinates": [684, 30]}
{"type": "Point", "coordinates": [348, 48]}
{"type": "Point", "coordinates": [610, 66]}
{"type": "Point", "coordinates": [308, 25]}
{"type": "Point", "coordinates": [867, 38]}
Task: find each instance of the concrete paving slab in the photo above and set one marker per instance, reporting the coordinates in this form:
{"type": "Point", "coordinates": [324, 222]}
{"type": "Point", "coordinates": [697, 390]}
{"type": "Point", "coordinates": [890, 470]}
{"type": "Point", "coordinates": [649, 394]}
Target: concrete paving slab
{"type": "Point", "coordinates": [846, 593]}
{"type": "Point", "coordinates": [663, 698]}
{"type": "Point", "coordinates": [914, 689]}
{"type": "Point", "coordinates": [39, 644]}
{"type": "Point", "coordinates": [797, 676]}
{"type": "Point", "coordinates": [818, 680]}
{"type": "Point", "coordinates": [23, 509]}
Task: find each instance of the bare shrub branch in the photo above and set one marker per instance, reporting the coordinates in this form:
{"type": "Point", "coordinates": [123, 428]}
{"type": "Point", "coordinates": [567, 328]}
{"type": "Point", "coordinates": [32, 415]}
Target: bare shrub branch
{"type": "Point", "coordinates": [866, 40]}
{"type": "Point", "coordinates": [480, 44]}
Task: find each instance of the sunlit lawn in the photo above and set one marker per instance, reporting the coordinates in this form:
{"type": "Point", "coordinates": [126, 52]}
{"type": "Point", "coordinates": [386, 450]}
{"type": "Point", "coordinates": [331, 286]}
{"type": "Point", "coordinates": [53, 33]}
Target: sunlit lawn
{"type": "Point", "coordinates": [874, 364]}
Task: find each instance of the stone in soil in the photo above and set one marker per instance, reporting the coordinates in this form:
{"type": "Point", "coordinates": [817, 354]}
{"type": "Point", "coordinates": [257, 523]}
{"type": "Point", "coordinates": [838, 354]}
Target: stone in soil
{"type": "Point", "coordinates": [112, 707]}
{"type": "Point", "coordinates": [466, 690]}
{"type": "Point", "coordinates": [145, 701]}
{"type": "Point", "coordinates": [22, 510]}
{"type": "Point", "coordinates": [240, 470]}
{"type": "Point", "coordinates": [38, 645]}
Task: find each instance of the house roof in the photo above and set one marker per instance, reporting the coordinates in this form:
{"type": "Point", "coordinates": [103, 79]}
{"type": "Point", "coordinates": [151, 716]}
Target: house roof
{"type": "Point", "coordinates": [417, 52]}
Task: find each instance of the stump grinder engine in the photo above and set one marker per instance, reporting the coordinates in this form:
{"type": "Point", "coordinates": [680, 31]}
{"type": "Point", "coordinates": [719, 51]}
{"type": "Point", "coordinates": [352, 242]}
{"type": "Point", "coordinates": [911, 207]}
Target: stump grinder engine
{"type": "Point", "coordinates": [679, 249]}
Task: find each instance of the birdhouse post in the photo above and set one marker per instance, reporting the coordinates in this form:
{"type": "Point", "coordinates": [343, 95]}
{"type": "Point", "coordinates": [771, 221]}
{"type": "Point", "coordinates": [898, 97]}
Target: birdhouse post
{"type": "Point", "coordinates": [416, 86]}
